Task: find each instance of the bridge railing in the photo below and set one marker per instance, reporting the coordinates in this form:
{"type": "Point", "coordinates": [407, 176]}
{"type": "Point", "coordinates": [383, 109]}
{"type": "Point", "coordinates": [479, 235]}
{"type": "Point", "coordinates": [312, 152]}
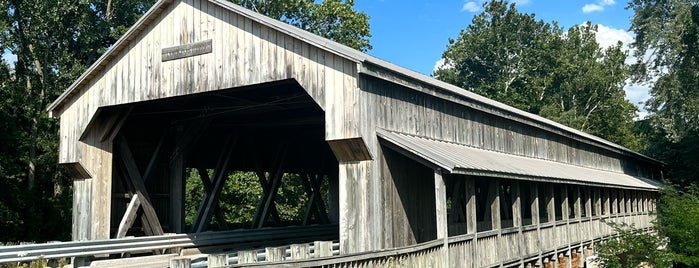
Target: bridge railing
{"type": "Point", "coordinates": [236, 238]}
{"type": "Point", "coordinates": [506, 247]}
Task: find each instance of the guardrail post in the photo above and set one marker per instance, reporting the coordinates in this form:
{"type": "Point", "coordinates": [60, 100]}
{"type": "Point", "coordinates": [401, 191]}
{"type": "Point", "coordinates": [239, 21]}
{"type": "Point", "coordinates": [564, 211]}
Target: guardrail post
{"type": "Point", "coordinates": [247, 256]}
{"type": "Point", "coordinates": [181, 263]}
{"type": "Point", "coordinates": [322, 249]}
{"type": "Point", "coordinates": [217, 260]}
{"type": "Point", "coordinates": [275, 253]}
{"type": "Point", "coordinates": [300, 251]}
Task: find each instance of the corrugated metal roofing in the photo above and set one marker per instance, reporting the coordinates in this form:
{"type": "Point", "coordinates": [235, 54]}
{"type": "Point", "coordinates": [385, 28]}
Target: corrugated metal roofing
{"type": "Point", "coordinates": [338, 49]}
{"type": "Point", "coordinates": [460, 159]}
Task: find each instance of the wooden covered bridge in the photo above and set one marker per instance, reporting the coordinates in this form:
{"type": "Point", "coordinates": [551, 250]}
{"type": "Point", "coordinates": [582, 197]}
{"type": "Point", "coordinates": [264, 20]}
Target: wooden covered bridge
{"type": "Point", "coordinates": [414, 167]}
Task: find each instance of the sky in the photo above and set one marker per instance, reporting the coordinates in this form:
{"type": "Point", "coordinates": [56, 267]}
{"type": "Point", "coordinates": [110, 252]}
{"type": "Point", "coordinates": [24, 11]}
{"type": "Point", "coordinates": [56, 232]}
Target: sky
{"type": "Point", "coordinates": [415, 33]}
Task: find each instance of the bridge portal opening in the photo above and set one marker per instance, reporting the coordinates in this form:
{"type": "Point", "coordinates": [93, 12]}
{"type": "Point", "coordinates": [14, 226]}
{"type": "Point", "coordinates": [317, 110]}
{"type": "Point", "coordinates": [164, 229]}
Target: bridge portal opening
{"type": "Point", "coordinates": [242, 158]}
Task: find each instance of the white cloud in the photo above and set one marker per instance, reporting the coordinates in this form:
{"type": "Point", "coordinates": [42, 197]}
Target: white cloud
{"type": "Point", "coordinates": [598, 6]}
{"type": "Point", "coordinates": [438, 65]}
{"type": "Point", "coordinates": [592, 8]}
{"type": "Point", "coordinates": [637, 94]}
{"type": "Point", "coordinates": [607, 36]}
{"type": "Point", "coordinates": [471, 7]}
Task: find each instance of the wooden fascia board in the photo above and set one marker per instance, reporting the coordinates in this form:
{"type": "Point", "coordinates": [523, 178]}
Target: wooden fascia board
{"type": "Point", "coordinates": [502, 175]}
{"type": "Point", "coordinates": [390, 75]}
{"type": "Point", "coordinates": [100, 64]}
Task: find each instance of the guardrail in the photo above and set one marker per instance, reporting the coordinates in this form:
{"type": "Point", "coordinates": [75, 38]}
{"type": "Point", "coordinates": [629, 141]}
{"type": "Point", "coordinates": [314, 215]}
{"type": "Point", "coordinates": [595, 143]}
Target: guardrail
{"type": "Point", "coordinates": [235, 239]}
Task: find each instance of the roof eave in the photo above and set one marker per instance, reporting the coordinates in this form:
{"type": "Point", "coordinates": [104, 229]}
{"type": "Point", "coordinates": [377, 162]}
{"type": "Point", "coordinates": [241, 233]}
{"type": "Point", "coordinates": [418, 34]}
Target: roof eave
{"type": "Point", "coordinates": [154, 11]}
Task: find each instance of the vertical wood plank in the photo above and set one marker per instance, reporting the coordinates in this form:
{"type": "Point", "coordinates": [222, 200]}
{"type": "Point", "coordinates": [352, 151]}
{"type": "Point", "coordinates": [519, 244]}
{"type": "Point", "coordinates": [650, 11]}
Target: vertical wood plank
{"type": "Point", "coordinates": [274, 254]}
{"type": "Point", "coordinates": [322, 249]}
{"type": "Point", "coordinates": [217, 260]}
{"type": "Point", "coordinates": [300, 251]}
{"type": "Point", "coordinates": [181, 263]}
{"type": "Point", "coordinates": [247, 256]}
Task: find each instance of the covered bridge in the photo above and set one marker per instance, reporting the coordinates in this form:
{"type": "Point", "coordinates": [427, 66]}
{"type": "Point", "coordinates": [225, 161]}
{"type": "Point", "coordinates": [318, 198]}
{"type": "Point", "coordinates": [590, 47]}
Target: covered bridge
{"type": "Point", "coordinates": [208, 85]}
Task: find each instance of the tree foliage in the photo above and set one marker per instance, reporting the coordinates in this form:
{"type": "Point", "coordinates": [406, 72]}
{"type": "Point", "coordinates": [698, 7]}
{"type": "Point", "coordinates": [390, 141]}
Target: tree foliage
{"type": "Point", "coordinates": [333, 19]}
{"type": "Point", "coordinates": [538, 67]}
{"type": "Point", "coordinates": [678, 220]}
{"type": "Point", "coordinates": [633, 248]}
{"type": "Point", "coordinates": [53, 43]}
{"type": "Point", "coordinates": [667, 49]}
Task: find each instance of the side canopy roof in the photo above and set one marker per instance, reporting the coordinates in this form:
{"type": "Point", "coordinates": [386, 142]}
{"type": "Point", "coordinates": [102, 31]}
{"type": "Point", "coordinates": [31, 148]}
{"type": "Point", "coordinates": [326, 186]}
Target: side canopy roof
{"type": "Point", "coordinates": [460, 159]}
{"type": "Point", "coordinates": [368, 65]}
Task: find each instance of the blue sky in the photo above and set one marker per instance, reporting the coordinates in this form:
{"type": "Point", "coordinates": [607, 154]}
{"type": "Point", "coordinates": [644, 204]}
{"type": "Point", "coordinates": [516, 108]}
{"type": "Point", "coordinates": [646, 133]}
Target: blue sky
{"type": "Point", "coordinates": [414, 33]}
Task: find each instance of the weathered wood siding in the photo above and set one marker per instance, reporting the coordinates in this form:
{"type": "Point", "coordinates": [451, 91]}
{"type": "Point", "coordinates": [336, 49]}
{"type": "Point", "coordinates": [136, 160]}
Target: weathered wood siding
{"type": "Point", "coordinates": [394, 107]}
{"type": "Point", "coordinates": [244, 52]}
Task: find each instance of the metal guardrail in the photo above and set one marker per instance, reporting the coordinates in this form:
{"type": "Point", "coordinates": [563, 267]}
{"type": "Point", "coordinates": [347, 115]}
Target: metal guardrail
{"type": "Point", "coordinates": [58, 250]}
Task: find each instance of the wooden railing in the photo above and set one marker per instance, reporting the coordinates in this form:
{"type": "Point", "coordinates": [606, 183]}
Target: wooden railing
{"type": "Point", "coordinates": [508, 247]}
{"type": "Point", "coordinates": [512, 246]}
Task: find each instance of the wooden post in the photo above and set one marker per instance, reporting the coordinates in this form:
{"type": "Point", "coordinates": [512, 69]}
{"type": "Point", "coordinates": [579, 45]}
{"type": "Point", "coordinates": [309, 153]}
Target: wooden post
{"type": "Point", "coordinates": [440, 194]}
{"type": "Point", "coordinates": [176, 197]}
{"type": "Point", "coordinates": [614, 199]}
{"type": "Point", "coordinates": [471, 219]}
{"type": "Point", "coordinates": [494, 194]}
{"type": "Point", "coordinates": [551, 203]}
{"type": "Point", "coordinates": [181, 263]}
{"type": "Point", "coordinates": [217, 260]}
{"type": "Point", "coordinates": [300, 251]}
{"type": "Point", "coordinates": [322, 249]}
{"type": "Point", "coordinates": [534, 193]}
{"type": "Point", "coordinates": [274, 254]}
{"type": "Point", "coordinates": [247, 256]}
{"type": "Point", "coordinates": [577, 204]}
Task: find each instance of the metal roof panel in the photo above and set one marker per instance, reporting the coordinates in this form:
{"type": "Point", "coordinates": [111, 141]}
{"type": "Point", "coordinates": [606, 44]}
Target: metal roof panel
{"type": "Point", "coordinates": [461, 159]}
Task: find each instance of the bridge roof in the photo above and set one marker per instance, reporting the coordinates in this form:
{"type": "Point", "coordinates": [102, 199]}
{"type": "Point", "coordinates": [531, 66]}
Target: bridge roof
{"type": "Point", "coordinates": [367, 65]}
{"type": "Point", "coordinates": [460, 159]}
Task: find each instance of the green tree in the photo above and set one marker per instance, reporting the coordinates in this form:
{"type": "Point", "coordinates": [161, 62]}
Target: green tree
{"type": "Point", "coordinates": [667, 49]}
{"type": "Point", "coordinates": [633, 248]}
{"type": "Point", "coordinates": [537, 67]}
{"type": "Point", "coordinates": [333, 19]}
{"type": "Point", "coordinates": [53, 43]}
{"type": "Point", "coordinates": [678, 220]}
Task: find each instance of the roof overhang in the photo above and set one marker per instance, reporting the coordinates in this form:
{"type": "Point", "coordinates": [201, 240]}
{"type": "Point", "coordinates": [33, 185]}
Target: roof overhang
{"type": "Point", "coordinates": [460, 159]}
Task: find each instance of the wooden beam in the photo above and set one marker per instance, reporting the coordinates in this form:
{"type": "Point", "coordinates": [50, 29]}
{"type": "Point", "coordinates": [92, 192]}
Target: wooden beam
{"type": "Point", "coordinates": [114, 124]}
{"type": "Point", "coordinates": [440, 194]}
{"type": "Point", "coordinates": [471, 219]}
{"type": "Point", "coordinates": [206, 181]}
{"type": "Point", "coordinates": [129, 217]}
{"type": "Point", "coordinates": [516, 205]}
{"type": "Point", "coordinates": [315, 205]}
{"type": "Point", "coordinates": [205, 211]}
{"type": "Point", "coordinates": [440, 204]}
{"type": "Point", "coordinates": [268, 199]}
{"type": "Point", "coordinates": [266, 184]}
{"type": "Point", "coordinates": [139, 187]}
{"type": "Point", "coordinates": [551, 202]}
{"type": "Point", "coordinates": [494, 199]}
